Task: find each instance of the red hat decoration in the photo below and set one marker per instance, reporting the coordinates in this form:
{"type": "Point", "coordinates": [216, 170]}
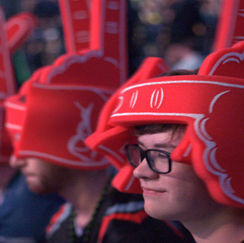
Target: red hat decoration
{"type": "Point", "coordinates": [19, 28]}
{"type": "Point", "coordinates": [13, 33]}
{"type": "Point", "coordinates": [76, 16]}
{"type": "Point", "coordinates": [60, 103]}
{"type": "Point", "coordinates": [230, 24]}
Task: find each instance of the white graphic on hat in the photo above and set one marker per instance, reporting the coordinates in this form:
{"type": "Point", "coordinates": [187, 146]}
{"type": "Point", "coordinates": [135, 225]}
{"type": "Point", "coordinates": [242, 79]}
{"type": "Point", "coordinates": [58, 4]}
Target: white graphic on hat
{"type": "Point", "coordinates": [157, 98]}
{"type": "Point", "coordinates": [83, 130]}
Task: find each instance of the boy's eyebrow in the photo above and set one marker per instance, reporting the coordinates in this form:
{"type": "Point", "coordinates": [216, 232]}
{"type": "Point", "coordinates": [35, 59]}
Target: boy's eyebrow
{"type": "Point", "coordinates": [164, 145]}
{"type": "Point", "coordinates": [159, 145]}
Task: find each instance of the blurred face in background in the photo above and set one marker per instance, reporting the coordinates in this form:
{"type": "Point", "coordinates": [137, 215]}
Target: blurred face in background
{"type": "Point", "coordinates": [42, 177]}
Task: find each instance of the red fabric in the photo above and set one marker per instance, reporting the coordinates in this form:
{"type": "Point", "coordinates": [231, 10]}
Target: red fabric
{"type": "Point", "coordinates": [211, 105]}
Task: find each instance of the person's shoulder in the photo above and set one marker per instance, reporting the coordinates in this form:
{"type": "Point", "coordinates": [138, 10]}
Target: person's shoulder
{"type": "Point", "coordinates": [120, 202]}
{"type": "Point", "coordinates": [59, 218]}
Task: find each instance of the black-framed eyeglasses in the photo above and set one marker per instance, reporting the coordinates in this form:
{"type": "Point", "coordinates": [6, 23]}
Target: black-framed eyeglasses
{"type": "Point", "coordinates": [158, 160]}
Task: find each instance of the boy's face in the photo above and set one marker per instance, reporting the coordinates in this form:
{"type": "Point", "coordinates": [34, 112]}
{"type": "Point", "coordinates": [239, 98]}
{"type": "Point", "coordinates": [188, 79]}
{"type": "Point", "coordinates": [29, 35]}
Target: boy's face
{"type": "Point", "coordinates": [42, 177]}
{"type": "Point", "coordinates": [178, 195]}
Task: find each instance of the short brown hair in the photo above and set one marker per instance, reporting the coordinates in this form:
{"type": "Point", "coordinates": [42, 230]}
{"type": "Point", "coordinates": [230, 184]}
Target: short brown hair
{"type": "Point", "coordinates": [179, 72]}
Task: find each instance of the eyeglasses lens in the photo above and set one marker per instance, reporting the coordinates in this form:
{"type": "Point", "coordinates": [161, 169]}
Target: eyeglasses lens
{"type": "Point", "coordinates": [135, 156]}
{"type": "Point", "coordinates": [158, 160]}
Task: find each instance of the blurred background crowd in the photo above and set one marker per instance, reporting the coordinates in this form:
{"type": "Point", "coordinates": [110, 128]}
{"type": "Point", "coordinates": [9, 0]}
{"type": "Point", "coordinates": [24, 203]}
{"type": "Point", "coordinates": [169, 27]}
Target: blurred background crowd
{"type": "Point", "coordinates": [181, 31]}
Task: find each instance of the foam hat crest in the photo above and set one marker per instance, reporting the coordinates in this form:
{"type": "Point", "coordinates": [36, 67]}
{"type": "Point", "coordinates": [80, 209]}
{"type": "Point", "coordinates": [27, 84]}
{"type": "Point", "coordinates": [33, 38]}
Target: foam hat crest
{"type": "Point", "coordinates": [210, 104]}
{"type": "Point", "coordinates": [60, 103]}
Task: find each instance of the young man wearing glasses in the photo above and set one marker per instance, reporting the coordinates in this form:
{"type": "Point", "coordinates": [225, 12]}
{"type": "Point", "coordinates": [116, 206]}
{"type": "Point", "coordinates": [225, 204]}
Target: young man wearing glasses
{"type": "Point", "coordinates": [173, 184]}
{"type": "Point", "coordinates": [184, 134]}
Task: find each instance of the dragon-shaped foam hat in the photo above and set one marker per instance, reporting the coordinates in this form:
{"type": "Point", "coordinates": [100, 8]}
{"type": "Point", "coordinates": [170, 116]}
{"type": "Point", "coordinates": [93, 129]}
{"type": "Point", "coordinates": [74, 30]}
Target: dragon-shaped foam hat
{"type": "Point", "coordinates": [209, 103]}
{"type": "Point", "coordinates": [51, 121]}
{"type": "Point", "coordinates": [14, 33]}
{"type": "Point", "coordinates": [58, 107]}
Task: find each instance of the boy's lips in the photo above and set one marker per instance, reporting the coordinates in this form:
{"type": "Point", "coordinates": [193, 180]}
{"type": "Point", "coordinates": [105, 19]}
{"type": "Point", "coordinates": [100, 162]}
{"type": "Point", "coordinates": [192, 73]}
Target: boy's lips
{"type": "Point", "coordinates": [151, 192]}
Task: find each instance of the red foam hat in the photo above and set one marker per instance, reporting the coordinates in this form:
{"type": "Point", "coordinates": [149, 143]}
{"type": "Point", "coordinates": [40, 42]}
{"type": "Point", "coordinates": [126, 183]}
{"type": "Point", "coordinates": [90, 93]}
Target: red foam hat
{"type": "Point", "coordinates": [53, 122]}
{"type": "Point", "coordinates": [210, 104]}
{"type": "Point", "coordinates": [58, 107]}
